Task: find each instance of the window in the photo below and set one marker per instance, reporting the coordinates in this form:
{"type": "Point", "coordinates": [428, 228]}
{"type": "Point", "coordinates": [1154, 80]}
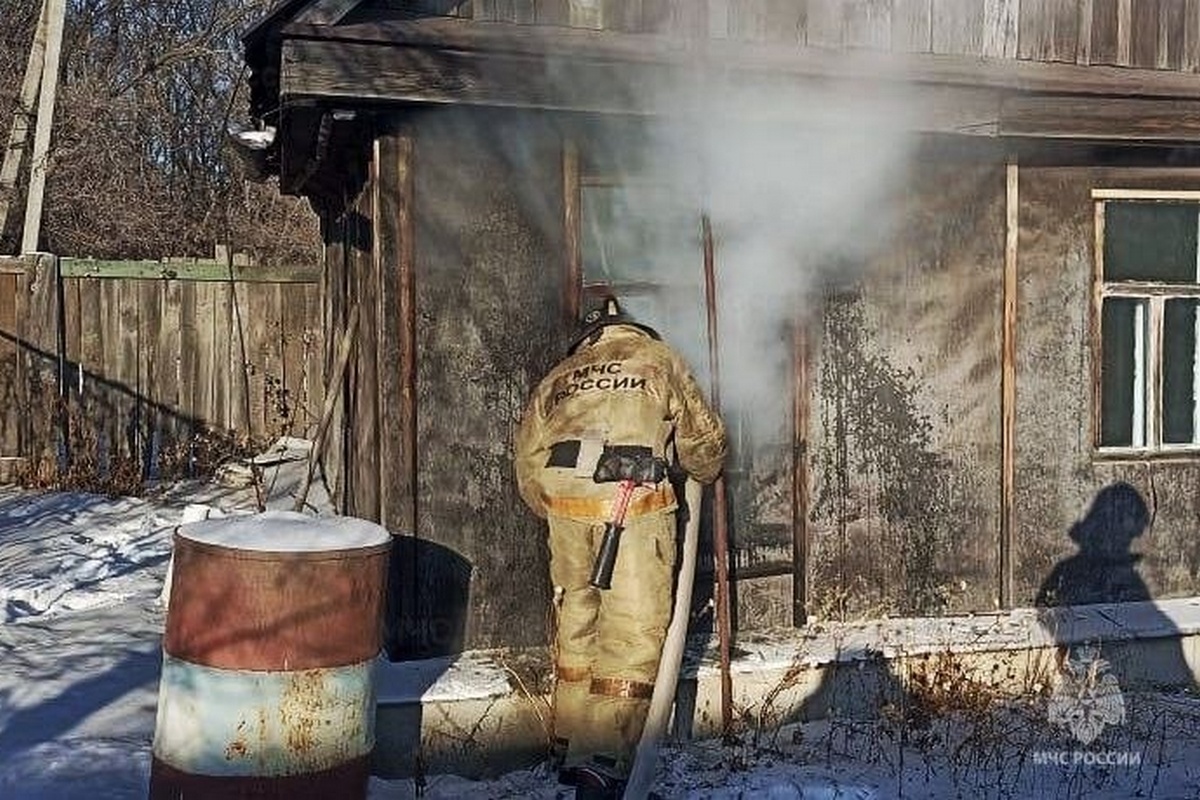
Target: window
{"type": "Point", "coordinates": [1148, 297]}
{"type": "Point", "coordinates": [640, 243]}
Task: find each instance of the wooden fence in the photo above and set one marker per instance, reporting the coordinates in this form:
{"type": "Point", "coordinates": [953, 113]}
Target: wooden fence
{"type": "Point", "coordinates": [137, 360]}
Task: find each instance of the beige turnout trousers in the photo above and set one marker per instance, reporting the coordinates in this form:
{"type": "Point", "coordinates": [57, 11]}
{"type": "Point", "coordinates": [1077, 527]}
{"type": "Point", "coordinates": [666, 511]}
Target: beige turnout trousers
{"type": "Point", "coordinates": [609, 641]}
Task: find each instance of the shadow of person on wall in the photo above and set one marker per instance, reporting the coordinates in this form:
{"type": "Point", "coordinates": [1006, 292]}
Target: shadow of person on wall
{"type": "Point", "coordinates": [1105, 568]}
{"type": "Point", "coordinates": [1138, 643]}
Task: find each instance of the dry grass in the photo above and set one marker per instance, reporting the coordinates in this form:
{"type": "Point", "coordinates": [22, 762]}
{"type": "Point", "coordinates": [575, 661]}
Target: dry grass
{"type": "Point", "coordinates": [91, 461]}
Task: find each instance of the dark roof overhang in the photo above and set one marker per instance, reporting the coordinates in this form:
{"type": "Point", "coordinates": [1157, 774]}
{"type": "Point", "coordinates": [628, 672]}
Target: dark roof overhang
{"type": "Point", "coordinates": [446, 61]}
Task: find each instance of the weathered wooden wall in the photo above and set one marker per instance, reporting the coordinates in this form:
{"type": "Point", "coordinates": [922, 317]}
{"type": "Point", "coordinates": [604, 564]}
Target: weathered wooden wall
{"type": "Point", "coordinates": [905, 404]}
{"type": "Point", "coordinates": [1058, 476]}
{"type": "Point", "coordinates": [905, 455]}
{"type": "Point", "coordinates": [1156, 34]}
{"type": "Point", "coordinates": [483, 251]}
{"type": "Point", "coordinates": [147, 361]}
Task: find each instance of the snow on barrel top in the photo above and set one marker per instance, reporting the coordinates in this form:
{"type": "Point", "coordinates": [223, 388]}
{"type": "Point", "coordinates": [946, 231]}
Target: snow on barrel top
{"type": "Point", "coordinates": [286, 532]}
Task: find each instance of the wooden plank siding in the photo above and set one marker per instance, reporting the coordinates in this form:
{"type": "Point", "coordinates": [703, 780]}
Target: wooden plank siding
{"type": "Point", "coordinates": [957, 27]}
{"type": "Point", "coordinates": [146, 363]}
{"type": "Point", "coordinates": [912, 26]}
{"type": "Point", "coordinates": [1091, 70]}
{"type": "Point", "coordinates": [1152, 34]}
{"type": "Point", "coordinates": [1190, 61]}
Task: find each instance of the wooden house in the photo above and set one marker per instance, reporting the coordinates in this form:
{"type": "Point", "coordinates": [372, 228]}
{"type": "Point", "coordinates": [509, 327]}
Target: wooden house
{"type": "Point", "coordinates": [958, 274]}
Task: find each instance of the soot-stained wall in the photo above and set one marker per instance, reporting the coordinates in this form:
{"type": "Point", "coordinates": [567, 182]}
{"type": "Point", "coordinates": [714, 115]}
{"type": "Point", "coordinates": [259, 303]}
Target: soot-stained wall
{"type": "Point", "coordinates": [904, 448]}
{"type": "Point", "coordinates": [1059, 479]}
{"type": "Point", "coordinates": [489, 255]}
{"type": "Point", "coordinates": [905, 454]}
{"type": "Point", "coordinates": [470, 206]}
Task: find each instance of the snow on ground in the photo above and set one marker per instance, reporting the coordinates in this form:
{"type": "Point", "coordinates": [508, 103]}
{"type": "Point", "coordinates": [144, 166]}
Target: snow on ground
{"type": "Point", "coordinates": [80, 626]}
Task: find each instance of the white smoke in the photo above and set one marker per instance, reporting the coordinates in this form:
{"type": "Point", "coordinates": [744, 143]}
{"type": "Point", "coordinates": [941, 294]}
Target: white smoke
{"type": "Point", "coordinates": [799, 185]}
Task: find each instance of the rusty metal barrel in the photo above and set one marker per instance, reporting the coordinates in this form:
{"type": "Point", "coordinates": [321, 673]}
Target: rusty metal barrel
{"type": "Point", "coordinates": [273, 629]}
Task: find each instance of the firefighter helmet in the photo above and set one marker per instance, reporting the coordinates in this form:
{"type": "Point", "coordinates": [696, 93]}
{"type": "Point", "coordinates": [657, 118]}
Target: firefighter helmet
{"type": "Point", "coordinates": [608, 313]}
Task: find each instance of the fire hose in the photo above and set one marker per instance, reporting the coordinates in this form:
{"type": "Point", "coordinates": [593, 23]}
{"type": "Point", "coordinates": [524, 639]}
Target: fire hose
{"type": "Point", "coordinates": [641, 774]}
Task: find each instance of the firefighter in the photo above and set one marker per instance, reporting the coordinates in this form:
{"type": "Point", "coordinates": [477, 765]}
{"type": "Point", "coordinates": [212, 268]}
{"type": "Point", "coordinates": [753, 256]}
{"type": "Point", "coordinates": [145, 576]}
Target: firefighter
{"type": "Point", "coordinates": [621, 397]}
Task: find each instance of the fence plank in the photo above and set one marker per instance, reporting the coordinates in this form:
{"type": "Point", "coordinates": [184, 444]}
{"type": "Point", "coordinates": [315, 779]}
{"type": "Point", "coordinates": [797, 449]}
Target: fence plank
{"type": "Point", "coordinates": [315, 356]}
{"type": "Point", "coordinates": [21, 305]}
{"type": "Point", "coordinates": [41, 347]}
{"type": "Point", "coordinates": [188, 270]}
{"type": "Point", "coordinates": [149, 325]}
{"type": "Point", "coordinates": [109, 435]}
{"type": "Point", "coordinates": [294, 313]}
{"type": "Point", "coordinates": [168, 377]}
{"type": "Point", "coordinates": [241, 360]}
{"type": "Point", "coordinates": [74, 334]}
{"type": "Point", "coordinates": [144, 358]}
{"type": "Point", "coordinates": [10, 395]}
{"type": "Point", "coordinates": [222, 352]}
{"type": "Point", "coordinates": [190, 350]}
{"type": "Point", "coordinates": [128, 373]}
{"type": "Point", "coordinates": [92, 410]}
{"type": "Point", "coordinates": [203, 389]}
{"type": "Point", "coordinates": [72, 373]}
{"type": "Point", "coordinates": [262, 319]}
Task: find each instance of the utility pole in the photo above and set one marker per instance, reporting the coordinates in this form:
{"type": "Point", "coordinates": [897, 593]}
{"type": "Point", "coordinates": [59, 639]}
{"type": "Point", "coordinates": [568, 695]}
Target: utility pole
{"type": "Point", "coordinates": [14, 153]}
{"type": "Point", "coordinates": [56, 12]}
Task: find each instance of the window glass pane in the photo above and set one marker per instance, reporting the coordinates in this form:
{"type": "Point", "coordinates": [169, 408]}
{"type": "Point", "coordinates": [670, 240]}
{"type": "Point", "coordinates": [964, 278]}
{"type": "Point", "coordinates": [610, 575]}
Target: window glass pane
{"type": "Point", "coordinates": [1150, 242]}
{"type": "Point", "coordinates": [1180, 372]}
{"type": "Point", "coordinates": [637, 234]}
{"type": "Point", "coordinates": [1122, 373]}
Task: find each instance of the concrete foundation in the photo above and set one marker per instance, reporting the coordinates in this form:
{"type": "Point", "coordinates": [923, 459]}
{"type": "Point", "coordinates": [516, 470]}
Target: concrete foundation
{"type": "Point", "coordinates": [477, 715]}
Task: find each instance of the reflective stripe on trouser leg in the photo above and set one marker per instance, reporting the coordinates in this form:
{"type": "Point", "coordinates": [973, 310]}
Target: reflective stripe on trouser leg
{"type": "Point", "coordinates": [631, 626]}
{"type": "Point", "coordinates": [571, 555]}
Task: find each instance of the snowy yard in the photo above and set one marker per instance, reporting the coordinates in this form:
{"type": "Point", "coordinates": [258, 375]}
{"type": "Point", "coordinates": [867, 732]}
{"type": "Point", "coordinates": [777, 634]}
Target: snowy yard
{"type": "Point", "coordinates": [80, 581]}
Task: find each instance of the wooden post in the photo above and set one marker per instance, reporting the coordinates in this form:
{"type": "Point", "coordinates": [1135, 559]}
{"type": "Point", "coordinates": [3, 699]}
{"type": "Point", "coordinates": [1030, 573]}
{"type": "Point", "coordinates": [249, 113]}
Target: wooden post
{"type": "Point", "coordinates": [396, 354]}
{"type": "Point", "coordinates": [56, 12]}
{"type": "Point", "coordinates": [720, 512]}
{"type": "Point", "coordinates": [574, 254]}
{"type": "Point", "coordinates": [1008, 386]}
{"type": "Point", "coordinates": [800, 417]}
{"type": "Point", "coordinates": [11, 167]}
{"type": "Point", "coordinates": [345, 344]}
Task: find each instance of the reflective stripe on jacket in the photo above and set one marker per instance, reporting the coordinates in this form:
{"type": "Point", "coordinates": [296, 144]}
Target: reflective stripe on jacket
{"type": "Point", "coordinates": [626, 388]}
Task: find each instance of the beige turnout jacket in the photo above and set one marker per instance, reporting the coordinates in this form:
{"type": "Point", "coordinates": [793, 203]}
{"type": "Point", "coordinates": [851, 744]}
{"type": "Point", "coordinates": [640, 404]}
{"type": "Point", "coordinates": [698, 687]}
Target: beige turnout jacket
{"type": "Point", "coordinates": [626, 388]}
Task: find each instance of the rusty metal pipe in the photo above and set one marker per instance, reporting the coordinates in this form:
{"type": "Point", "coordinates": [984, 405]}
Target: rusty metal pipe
{"type": "Point", "coordinates": [720, 512]}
